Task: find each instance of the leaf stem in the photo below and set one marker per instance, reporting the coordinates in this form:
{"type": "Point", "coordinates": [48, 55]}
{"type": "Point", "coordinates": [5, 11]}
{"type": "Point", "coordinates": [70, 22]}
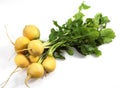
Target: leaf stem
{"type": "Point", "coordinates": [54, 47]}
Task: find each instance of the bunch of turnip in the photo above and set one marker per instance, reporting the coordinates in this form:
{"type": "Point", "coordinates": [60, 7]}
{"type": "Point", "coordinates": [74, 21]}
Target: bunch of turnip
{"type": "Point", "coordinates": [32, 54]}
{"type": "Point", "coordinates": [83, 34]}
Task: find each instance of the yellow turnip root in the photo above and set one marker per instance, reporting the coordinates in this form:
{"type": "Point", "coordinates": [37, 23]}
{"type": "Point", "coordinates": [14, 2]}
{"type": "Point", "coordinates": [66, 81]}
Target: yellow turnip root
{"type": "Point", "coordinates": [31, 32]}
{"type": "Point", "coordinates": [21, 43]}
{"type": "Point", "coordinates": [21, 61]}
{"type": "Point", "coordinates": [35, 47]}
{"type": "Point", "coordinates": [49, 64]}
{"type": "Point", "coordinates": [35, 70]}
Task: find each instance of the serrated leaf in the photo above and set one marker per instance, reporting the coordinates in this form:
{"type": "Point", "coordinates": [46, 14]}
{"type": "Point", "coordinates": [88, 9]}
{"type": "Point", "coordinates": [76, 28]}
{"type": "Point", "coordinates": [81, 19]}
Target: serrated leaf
{"type": "Point", "coordinates": [56, 24]}
{"type": "Point", "coordinates": [90, 33]}
{"type": "Point", "coordinates": [90, 49]}
{"type": "Point", "coordinates": [83, 6]}
{"type": "Point", "coordinates": [58, 55]}
{"type": "Point", "coordinates": [97, 18]}
{"type": "Point", "coordinates": [78, 15]}
{"type": "Point", "coordinates": [69, 50]}
{"type": "Point", "coordinates": [107, 35]}
{"type": "Point", "coordinates": [105, 19]}
{"type": "Point", "coordinates": [53, 35]}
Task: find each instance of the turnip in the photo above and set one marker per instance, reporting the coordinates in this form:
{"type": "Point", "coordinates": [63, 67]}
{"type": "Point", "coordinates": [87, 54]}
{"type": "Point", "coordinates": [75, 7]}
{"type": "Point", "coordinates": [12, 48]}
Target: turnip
{"type": "Point", "coordinates": [85, 35]}
{"type": "Point", "coordinates": [35, 47]}
{"type": "Point", "coordinates": [21, 43]}
{"type": "Point", "coordinates": [49, 64]}
{"type": "Point", "coordinates": [21, 61]}
{"type": "Point", "coordinates": [35, 70]}
{"type": "Point", "coordinates": [31, 32]}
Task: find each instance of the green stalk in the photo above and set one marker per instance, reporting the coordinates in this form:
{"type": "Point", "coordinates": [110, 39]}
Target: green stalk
{"type": "Point", "coordinates": [54, 47]}
{"type": "Point", "coordinates": [50, 51]}
{"type": "Point", "coordinates": [50, 43]}
{"type": "Point", "coordinates": [42, 57]}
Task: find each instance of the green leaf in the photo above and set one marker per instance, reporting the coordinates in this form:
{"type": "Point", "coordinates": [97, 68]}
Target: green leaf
{"type": "Point", "coordinates": [90, 33]}
{"type": "Point", "coordinates": [107, 35]}
{"type": "Point", "coordinates": [69, 21]}
{"type": "Point", "coordinates": [90, 49]}
{"type": "Point", "coordinates": [83, 6]}
{"type": "Point", "coordinates": [97, 18]}
{"type": "Point", "coordinates": [57, 54]}
{"type": "Point", "coordinates": [53, 35]}
{"type": "Point", "coordinates": [101, 20]}
{"type": "Point", "coordinates": [105, 19]}
{"type": "Point", "coordinates": [56, 24]}
{"type": "Point", "coordinates": [78, 15]}
{"type": "Point", "coordinates": [69, 50]}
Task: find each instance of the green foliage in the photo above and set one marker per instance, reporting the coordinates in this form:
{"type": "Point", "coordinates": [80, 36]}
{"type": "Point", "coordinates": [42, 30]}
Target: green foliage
{"type": "Point", "coordinates": [107, 35]}
{"type": "Point", "coordinates": [83, 35]}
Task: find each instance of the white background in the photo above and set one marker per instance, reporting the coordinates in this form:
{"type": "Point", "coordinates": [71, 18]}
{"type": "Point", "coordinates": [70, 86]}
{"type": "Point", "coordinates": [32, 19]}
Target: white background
{"type": "Point", "coordinates": [75, 71]}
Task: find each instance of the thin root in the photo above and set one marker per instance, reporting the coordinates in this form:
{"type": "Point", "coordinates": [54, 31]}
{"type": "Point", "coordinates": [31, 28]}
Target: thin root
{"type": "Point", "coordinates": [22, 50]}
{"type": "Point", "coordinates": [26, 80]}
{"type": "Point", "coordinates": [18, 70]}
{"type": "Point", "coordinates": [5, 82]}
{"type": "Point", "coordinates": [11, 56]}
{"type": "Point", "coordinates": [8, 35]}
{"type": "Point", "coordinates": [45, 73]}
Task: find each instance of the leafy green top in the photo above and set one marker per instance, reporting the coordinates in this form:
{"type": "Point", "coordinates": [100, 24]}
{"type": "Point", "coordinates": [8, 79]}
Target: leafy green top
{"type": "Point", "coordinates": [83, 35]}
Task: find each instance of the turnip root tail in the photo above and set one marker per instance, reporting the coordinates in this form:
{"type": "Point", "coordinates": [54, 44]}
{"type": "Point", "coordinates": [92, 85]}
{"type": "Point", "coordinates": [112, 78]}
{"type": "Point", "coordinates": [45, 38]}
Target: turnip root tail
{"type": "Point", "coordinates": [22, 50]}
{"type": "Point", "coordinates": [5, 82]}
{"type": "Point", "coordinates": [11, 56]}
{"type": "Point", "coordinates": [8, 35]}
{"type": "Point", "coordinates": [26, 80]}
